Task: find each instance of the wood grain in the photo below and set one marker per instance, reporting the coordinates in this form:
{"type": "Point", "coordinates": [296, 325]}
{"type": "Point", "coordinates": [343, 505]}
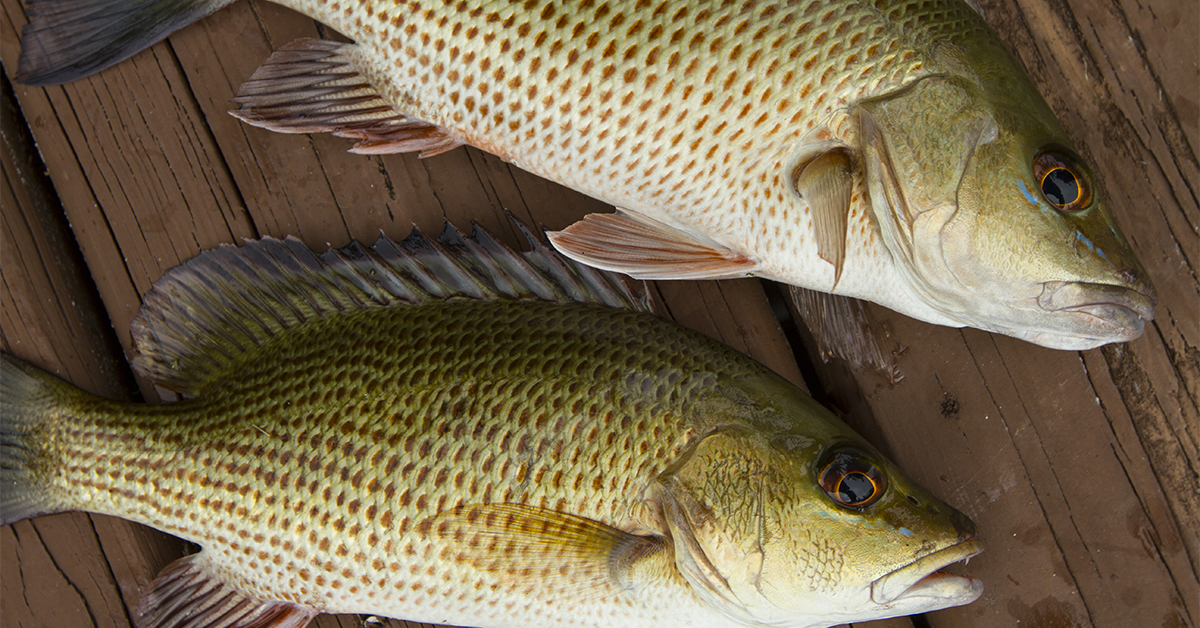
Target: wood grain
{"type": "Point", "coordinates": [1080, 468]}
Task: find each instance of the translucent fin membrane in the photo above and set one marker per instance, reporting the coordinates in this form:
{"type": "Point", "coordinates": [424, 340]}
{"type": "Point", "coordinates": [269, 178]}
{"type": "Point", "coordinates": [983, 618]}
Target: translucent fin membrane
{"type": "Point", "coordinates": [200, 317]}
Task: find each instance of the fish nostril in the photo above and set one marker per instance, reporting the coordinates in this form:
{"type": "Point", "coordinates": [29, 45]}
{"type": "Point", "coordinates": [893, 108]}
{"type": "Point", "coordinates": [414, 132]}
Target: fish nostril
{"type": "Point", "coordinates": [963, 524]}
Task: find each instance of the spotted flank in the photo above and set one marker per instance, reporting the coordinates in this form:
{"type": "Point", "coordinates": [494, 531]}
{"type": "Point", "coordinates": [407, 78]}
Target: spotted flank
{"type": "Point", "coordinates": [885, 150]}
{"type": "Point", "coordinates": [445, 430]}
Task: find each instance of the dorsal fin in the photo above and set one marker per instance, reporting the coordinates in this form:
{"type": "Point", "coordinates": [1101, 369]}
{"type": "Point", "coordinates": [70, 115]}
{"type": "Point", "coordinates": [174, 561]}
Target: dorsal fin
{"type": "Point", "coordinates": [203, 315]}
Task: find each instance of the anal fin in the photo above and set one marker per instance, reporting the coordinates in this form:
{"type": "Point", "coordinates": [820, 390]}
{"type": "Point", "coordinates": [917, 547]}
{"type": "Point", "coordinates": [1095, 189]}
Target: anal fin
{"type": "Point", "coordinates": [549, 550]}
{"type": "Point", "coordinates": [187, 594]}
{"type": "Point", "coordinates": [644, 248]}
{"type": "Point", "coordinates": [314, 86]}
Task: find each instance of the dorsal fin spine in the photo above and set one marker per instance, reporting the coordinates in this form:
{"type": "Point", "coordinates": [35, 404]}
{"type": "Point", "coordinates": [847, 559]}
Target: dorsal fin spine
{"type": "Point", "coordinates": [200, 318]}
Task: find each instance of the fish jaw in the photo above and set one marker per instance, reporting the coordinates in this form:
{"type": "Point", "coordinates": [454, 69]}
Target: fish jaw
{"type": "Point", "coordinates": [920, 587]}
{"type": "Point", "coordinates": [1098, 313]}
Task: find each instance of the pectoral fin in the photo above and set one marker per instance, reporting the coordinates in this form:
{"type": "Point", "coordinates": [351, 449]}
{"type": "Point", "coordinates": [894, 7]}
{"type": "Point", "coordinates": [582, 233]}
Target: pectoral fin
{"type": "Point", "coordinates": [844, 328]}
{"type": "Point", "coordinates": [189, 593]}
{"type": "Point", "coordinates": [313, 86]}
{"type": "Point", "coordinates": [826, 183]}
{"type": "Point", "coordinates": [644, 248]}
{"type": "Point", "coordinates": [524, 545]}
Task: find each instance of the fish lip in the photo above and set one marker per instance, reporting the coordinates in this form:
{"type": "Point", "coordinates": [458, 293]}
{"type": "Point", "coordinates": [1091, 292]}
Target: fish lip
{"type": "Point", "coordinates": [1123, 310]}
{"type": "Point", "coordinates": [921, 579]}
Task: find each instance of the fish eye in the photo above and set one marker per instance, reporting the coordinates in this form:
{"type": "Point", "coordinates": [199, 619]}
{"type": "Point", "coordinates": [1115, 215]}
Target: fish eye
{"type": "Point", "coordinates": [851, 480]}
{"type": "Point", "coordinates": [1063, 182]}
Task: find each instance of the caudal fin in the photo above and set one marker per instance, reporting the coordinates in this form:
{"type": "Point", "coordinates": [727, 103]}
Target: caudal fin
{"type": "Point", "coordinates": [26, 394]}
{"type": "Point", "coordinates": [70, 39]}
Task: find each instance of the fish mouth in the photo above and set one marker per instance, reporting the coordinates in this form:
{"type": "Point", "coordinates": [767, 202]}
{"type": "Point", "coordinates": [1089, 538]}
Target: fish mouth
{"type": "Point", "coordinates": [922, 580]}
{"type": "Point", "coordinates": [1114, 312]}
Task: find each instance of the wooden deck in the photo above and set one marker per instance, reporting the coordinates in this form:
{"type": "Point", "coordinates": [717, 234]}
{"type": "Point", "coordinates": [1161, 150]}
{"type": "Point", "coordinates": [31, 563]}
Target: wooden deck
{"type": "Point", "coordinates": [1080, 468]}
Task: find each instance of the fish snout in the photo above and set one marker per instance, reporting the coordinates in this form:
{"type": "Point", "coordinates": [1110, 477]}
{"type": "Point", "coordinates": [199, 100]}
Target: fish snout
{"type": "Point", "coordinates": [963, 525]}
{"type": "Point", "coordinates": [1119, 312]}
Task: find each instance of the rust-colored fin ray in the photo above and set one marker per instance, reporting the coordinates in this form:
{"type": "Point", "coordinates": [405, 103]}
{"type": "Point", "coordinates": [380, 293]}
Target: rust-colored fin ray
{"type": "Point", "coordinates": [188, 594]}
{"type": "Point", "coordinates": [826, 183]}
{"type": "Point", "coordinates": [203, 317]}
{"type": "Point", "coordinates": [844, 328]}
{"type": "Point", "coordinates": [644, 248]}
{"type": "Point", "coordinates": [317, 86]}
{"type": "Point", "coordinates": [65, 41]}
{"type": "Point", "coordinates": [554, 550]}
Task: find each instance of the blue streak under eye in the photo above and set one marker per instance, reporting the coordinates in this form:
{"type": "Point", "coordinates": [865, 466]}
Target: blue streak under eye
{"type": "Point", "coordinates": [905, 531]}
{"type": "Point", "coordinates": [1033, 200]}
{"type": "Point", "coordinates": [1091, 247]}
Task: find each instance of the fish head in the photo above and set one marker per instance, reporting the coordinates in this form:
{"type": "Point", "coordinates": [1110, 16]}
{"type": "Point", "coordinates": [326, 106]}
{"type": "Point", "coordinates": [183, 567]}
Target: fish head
{"type": "Point", "coordinates": [811, 528]}
{"type": "Point", "coordinates": [994, 221]}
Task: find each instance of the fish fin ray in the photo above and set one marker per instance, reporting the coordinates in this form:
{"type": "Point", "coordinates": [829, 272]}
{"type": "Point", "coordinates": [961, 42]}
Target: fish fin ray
{"type": "Point", "coordinates": [317, 86]}
{"type": "Point", "coordinates": [526, 545]}
{"type": "Point", "coordinates": [844, 328]}
{"type": "Point", "coordinates": [189, 594]}
{"type": "Point", "coordinates": [641, 247]}
{"type": "Point", "coordinates": [826, 183]}
{"type": "Point", "coordinates": [203, 317]}
{"type": "Point", "coordinates": [64, 41]}
{"type": "Point", "coordinates": [27, 395]}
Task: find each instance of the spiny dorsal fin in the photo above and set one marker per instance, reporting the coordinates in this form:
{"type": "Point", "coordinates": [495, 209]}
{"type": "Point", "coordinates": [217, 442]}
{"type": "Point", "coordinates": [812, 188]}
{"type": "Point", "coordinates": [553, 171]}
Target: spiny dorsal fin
{"type": "Point", "coordinates": [202, 316]}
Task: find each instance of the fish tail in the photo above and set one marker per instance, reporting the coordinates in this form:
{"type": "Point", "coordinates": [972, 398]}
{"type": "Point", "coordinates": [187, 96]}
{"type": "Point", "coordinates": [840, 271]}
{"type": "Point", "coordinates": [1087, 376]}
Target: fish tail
{"type": "Point", "coordinates": [70, 39]}
{"type": "Point", "coordinates": [27, 398]}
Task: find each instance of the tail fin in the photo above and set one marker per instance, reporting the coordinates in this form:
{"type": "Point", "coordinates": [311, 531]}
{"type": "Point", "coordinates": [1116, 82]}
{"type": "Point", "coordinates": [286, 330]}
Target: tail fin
{"type": "Point", "coordinates": [26, 394]}
{"type": "Point", "coordinates": [70, 39]}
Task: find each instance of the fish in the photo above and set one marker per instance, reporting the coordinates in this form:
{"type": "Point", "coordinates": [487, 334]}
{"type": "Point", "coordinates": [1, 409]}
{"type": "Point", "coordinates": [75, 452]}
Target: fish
{"type": "Point", "coordinates": [880, 150]}
{"type": "Point", "coordinates": [446, 430]}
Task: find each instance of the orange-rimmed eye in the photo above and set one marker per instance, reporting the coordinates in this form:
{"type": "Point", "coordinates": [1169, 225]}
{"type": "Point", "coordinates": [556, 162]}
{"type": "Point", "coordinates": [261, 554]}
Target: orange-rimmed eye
{"type": "Point", "coordinates": [1063, 182]}
{"type": "Point", "coordinates": [851, 480]}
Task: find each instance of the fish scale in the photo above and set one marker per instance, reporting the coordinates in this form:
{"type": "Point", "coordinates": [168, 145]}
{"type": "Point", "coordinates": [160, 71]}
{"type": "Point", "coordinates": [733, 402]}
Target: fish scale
{"type": "Point", "coordinates": [889, 150]}
{"type": "Point", "coordinates": [574, 98]}
{"type": "Point", "coordinates": [467, 452]}
{"type": "Point", "coordinates": [285, 478]}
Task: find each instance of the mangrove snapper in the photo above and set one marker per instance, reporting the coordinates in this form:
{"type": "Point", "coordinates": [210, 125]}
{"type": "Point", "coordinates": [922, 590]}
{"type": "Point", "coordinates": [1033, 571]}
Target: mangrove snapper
{"type": "Point", "coordinates": [885, 150]}
{"type": "Point", "coordinates": [448, 431]}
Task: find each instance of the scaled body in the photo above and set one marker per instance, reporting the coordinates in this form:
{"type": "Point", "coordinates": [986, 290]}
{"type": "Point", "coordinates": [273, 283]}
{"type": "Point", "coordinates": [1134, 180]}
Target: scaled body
{"type": "Point", "coordinates": [891, 151]}
{"type": "Point", "coordinates": [475, 439]}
